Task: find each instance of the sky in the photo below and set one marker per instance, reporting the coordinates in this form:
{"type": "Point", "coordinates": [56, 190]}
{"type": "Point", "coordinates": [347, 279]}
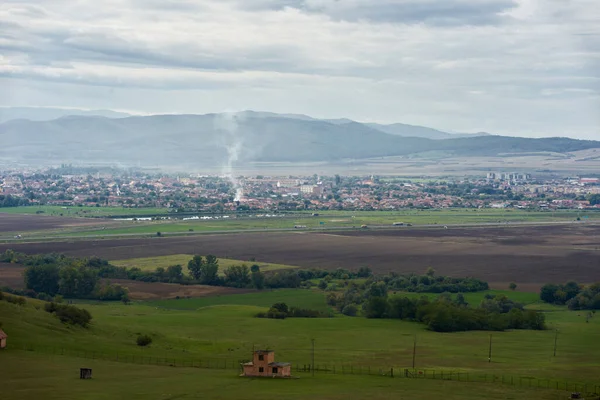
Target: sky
{"type": "Point", "coordinates": [513, 67]}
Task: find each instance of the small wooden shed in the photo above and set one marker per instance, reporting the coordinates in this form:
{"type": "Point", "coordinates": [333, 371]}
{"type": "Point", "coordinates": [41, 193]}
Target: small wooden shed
{"type": "Point", "coordinates": [3, 337]}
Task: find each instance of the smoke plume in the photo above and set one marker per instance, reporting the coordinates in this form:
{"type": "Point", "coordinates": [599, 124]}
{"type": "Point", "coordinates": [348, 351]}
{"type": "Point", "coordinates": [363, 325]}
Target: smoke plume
{"type": "Point", "coordinates": [227, 125]}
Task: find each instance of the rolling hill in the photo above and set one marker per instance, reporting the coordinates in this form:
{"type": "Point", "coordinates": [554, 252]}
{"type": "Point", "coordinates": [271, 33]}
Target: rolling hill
{"type": "Point", "coordinates": [219, 139]}
{"type": "Point", "coordinates": [48, 113]}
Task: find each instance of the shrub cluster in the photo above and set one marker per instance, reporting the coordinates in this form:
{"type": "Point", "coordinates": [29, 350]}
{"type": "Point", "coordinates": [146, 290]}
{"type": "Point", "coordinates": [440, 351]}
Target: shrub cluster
{"type": "Point", "coordinates": [575, 296]}
{"type": "Point", "coordinates": [69, 314]}
{"type": "Point", "coordinates": [143, 340]}
{"type": "Point", "coordinates": [442, 315]}
{"type": "Point", "coordinates": [19, 300]}
{"type": "Point", "coordinates": [282, 311]}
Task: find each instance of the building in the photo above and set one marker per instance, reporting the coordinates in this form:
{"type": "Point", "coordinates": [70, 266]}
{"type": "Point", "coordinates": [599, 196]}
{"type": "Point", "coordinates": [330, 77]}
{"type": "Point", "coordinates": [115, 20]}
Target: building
{"type": "Point", "coordinates": [263, 364]}
{"type": "Point", "coordinates": [288, 183]}
{"type": "Point", "coordinates": [312, 190]}
{"type": "Point", "coordinates": [3, 337]}
{"type": "Point", "coordinates": [510, 177]}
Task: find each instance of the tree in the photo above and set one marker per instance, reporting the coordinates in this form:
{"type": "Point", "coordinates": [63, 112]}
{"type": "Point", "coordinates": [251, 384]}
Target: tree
{"type": "Point", "coordinates": [281, 307]}
{"type": "Point", "coordinates": [364, 272]}
{"type": "Point", "coordinates": [512, 286]}
{"type": "Point", "coordinates": [258, 279]}
{"type": "Point", "coordinates": [42, 279]}
{"type": "Point", "coordinates": [77, 281]}
{"type": "Point", "coordinates": [322, 284]}
{"type": "Point", "coordinates": [255, 268]}
{"type": "Point", "coordinates": [237, 276]}
{"type": "Point", "coordinates": [350, 310]}
{"type": "Point", "coordinates": [460, 300]}
{"type": "Point", "coordinates": [548, 293]}
{"type": "Point", "coordinates": [175, 273]}
{"type": "Point", "coordinates": [376, 307]}
{"type": "Point", "coordinates": [195, 267]}
{"type": "Point", "coordinates": [594, 199]}
{"type": "Point", "coordinates": [143, 340]}
{"type": "Point", "coordinates": [430, 272]}
{"type": "Point", "coordinates": [210, 270]}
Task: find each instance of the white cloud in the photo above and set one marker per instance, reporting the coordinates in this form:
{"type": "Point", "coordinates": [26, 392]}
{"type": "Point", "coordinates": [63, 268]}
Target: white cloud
{"type": "Point", "coordinates": [496, 65]}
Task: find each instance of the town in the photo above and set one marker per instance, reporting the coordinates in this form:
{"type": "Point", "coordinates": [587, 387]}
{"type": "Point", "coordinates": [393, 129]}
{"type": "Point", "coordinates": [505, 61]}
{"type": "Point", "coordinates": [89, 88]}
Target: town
{"type": "Point", "coordinates": [90, 187]}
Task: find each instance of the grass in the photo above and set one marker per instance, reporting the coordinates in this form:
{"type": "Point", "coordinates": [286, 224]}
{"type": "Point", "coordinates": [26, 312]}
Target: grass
{"type": "Point", "coordinates": [327, 220]}
{"type": "Point", "coordinates": [33, 376]}
{"type": "Point", "coordinates": [71, 211]}
{"type": "Point", "coordinates": [310, 299]}
{"type": "Point", "coordinates": [151, 263]}
{"type": "Point", "coordinates": [224, 327]}
{"type": "Point", "coordinates": [475, 298]}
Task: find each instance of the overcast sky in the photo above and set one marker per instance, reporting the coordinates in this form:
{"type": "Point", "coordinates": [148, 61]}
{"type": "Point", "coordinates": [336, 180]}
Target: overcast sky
{"type": "Point", "coordinates": [519, 67]}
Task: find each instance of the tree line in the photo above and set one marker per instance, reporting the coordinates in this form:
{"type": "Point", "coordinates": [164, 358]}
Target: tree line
{"type": "Point", "coordinates": [444, 314]}
{"type": "Point", "coordinates": [572, 294]}
{"type": "Point", "coordinates": [49, 275]}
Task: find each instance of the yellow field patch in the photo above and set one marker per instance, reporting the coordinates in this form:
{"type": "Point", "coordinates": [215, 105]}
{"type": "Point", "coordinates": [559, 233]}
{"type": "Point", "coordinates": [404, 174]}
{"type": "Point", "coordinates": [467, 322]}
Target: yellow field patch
{"type": "Point", "coordinates": [151, 263]}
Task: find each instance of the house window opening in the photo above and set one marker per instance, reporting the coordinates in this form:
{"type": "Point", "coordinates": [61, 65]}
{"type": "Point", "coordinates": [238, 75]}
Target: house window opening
{"type": "Point", "coordinates": [274, 370]}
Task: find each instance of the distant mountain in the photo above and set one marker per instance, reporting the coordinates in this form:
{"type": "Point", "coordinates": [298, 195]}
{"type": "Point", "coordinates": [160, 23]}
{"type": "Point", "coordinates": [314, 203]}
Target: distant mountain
{"type": "Point", "coordinates": [420, 131]}
{"type": "Point", "coordinates": [196, 141]}
{"type": "Point", "coordinates": [47, 114]}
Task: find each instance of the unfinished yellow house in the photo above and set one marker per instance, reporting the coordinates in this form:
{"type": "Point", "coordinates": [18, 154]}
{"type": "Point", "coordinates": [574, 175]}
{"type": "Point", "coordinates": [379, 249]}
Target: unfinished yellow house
{"type": "Point", "coordinates": [263, 364]}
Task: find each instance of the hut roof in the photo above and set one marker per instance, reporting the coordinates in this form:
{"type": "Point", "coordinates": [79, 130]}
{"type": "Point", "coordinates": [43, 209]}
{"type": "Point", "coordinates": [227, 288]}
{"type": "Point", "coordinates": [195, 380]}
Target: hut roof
{"type": "Point", "coordinates": [279, 364]}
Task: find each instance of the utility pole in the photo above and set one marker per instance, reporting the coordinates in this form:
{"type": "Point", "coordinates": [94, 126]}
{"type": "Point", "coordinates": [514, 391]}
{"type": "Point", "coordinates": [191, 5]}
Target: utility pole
{"type": "Point", "coordinates": [490, 352]}
{"type": "Point", "coordinates": [312, 368]}
{"type": "Point", "coordinates": [555, 340]}
{"type": "Point", "coordinates": [414, 351]}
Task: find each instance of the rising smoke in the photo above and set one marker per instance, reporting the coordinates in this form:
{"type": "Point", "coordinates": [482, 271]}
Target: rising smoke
{"type": "Point", "coordinates": [227, 125]}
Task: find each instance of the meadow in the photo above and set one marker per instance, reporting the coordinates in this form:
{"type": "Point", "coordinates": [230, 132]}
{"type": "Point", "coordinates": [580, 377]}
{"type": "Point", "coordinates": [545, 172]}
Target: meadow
{"type": "Point", "coordinates": [28, 376]}
{"type": "Point", "coordinates": [224, 328]}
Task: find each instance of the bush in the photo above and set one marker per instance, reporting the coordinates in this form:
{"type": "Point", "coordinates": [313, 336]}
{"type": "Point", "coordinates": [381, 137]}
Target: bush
{"type": "Point", "coordinates": [350, 310]}
{"type": "Point", "coordinates": [69, 314]}
{"type": "Point", "coordinates": [143, 340]}
{"type": "Point", "coordinates": [18, 300]}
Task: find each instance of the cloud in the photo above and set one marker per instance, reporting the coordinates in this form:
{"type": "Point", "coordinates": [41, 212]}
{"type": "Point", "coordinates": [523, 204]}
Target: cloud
{"type": "Point", "coordinates": [452, 64]}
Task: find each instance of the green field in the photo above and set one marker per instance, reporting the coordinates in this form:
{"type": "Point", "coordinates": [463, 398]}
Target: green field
{"type": "Point", "coordinates": [32, 376]}
{"type": "Point", "coordinates": [71, 211]}
{"type": "Point", "coordinates": [327, 220]}
{"type": "Point", "coordinates": [224, 328]}
{"type": "Point", "coordinates": [151, 263]}
{"type": "Point", "coordinates": [311, 299]}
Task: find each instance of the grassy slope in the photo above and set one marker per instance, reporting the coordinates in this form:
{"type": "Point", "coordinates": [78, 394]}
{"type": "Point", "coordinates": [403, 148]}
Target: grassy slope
{"type": "Point", "coordinates": [33, 376]}
{"type": "Point", "coordinates": [151, 263]}
{"type": "Point", "coordinates": [229, 332]}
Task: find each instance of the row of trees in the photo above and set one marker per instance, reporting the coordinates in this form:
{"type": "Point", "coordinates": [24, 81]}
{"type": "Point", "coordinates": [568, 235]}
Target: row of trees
{"type": "Point", "coordinates": [71, 280]}
{"type": "Point", "coordinates": [574, 295]}
{"type": "Point", "coordinates": [49, 275]}
{"type": "Point", "coordinates": [444, 314]}
{"type": "Point", "coordinates": [426, 283]}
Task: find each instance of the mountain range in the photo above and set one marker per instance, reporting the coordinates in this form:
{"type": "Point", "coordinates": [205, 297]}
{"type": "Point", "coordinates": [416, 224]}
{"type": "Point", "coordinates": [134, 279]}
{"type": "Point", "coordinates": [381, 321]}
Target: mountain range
{"type": "Point", "coordinates": [196, 141]}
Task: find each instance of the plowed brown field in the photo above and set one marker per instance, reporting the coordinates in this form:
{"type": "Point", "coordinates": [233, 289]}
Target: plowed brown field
{"type": "Point", "coordinates": [526, 254]}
